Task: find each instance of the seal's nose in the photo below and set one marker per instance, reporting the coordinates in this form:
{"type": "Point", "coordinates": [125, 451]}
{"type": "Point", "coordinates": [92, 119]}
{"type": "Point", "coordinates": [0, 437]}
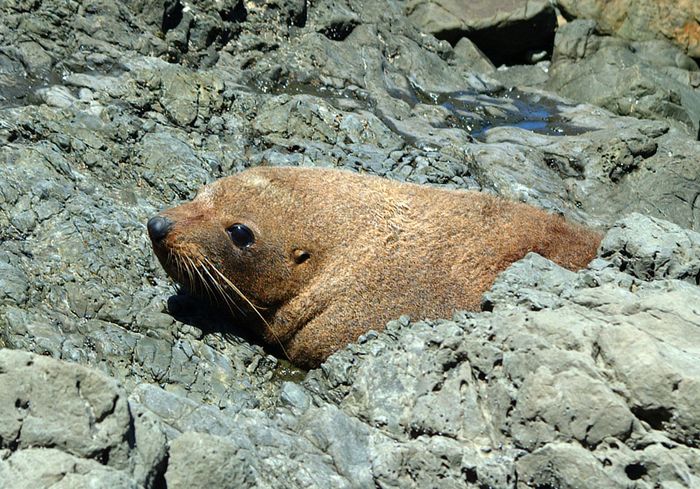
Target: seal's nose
{"type": "Point", "coordinates": [158, 227]}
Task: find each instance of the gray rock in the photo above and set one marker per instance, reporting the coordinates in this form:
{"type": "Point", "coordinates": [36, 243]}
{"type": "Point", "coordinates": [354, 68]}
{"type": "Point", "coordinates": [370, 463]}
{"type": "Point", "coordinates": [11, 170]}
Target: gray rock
{"type": "Point", "coordinates": [534, 76]}
{"type": "Point", "coordinates": [651, 79]}
{"type": "Point", "coordinates": [179, 414]}
{"type": "Point", "coordinates": [54, 405]}
{"type": "Point", "coordinates": [668, 251]}
{"type": "Point", "coordinates": [36, 468]}
{"type": "Point", "coordinates": [643, 20]}
{"type": "Point", "coordinates": [200, 460]}
{"type": "Point", "coordinates": [13, 283]}
{"type": "Point", "coordinates": [632, 163]}
{"type": "Point", "coordinates": [150, 451]}
{"type": "Point", "coordinates": [68, 426]}
{"type": "Point", "coordinates": [467, 54]}
{"type": "Point", "coordinates": [565, 466]}
{"type": "Point", "coordinates": [504, 30]}
{"type": "Point", "coordinates": [262, 452]}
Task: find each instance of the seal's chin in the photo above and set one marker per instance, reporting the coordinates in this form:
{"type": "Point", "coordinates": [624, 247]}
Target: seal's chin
{"type": "Point", "coordinates": [202, 279]}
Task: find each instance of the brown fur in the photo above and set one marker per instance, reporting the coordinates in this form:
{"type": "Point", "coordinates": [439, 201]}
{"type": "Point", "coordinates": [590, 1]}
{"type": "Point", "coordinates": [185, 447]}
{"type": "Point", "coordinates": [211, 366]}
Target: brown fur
{"type": "Point", "coordinates": [378, 249]}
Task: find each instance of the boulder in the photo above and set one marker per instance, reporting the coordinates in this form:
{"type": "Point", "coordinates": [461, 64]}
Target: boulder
{"type": "Point", "coordinates": [507, 31]}
{"type": "Point", "coordinates": [643, 20]}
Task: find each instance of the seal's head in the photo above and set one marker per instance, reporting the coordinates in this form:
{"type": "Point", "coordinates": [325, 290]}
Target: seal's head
{"type": "Point", "coordinates": [232, 243]}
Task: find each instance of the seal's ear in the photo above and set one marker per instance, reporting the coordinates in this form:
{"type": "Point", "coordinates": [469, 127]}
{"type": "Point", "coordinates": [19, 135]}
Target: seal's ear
{"type": "Point", "coordinates": [300, 256]}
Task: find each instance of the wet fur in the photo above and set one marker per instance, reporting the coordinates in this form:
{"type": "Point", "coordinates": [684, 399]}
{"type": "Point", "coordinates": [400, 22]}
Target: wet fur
{"type": "Point", "coordinates": [377, 249]}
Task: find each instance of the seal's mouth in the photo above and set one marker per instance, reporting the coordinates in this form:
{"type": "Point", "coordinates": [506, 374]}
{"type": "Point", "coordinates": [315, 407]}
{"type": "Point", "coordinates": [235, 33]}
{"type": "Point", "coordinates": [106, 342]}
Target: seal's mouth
{"type": "Point", "coordinates": [203, 279]}
{"type": "Point", "coordinates": [186, 264]}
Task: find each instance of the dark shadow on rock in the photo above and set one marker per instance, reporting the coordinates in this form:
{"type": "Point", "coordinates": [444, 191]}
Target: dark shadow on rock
{"type": "Point", "coordinates": [210, 317]}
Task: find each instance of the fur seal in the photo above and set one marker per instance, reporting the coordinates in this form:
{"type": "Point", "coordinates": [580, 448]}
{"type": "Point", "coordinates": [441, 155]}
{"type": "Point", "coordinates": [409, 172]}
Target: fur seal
{"type": "Point", "coordinates": [321, 256]}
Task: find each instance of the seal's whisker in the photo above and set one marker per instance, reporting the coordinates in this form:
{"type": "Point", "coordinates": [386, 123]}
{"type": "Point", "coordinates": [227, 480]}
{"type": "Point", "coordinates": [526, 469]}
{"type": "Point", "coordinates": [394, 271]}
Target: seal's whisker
{"type": "Point", "coordinates": [205, 283]}
{"type": "Point", "coordinates": [188, 274]}
{"type": "Point", "coordinates": [178, 267]}
{"type": "Point", "coordinates": [198, 284]}
{"type": "Point", "coordinates": [232, 301]}
{"type": "Point", "coordinates": [184, 271]}
{"type": "Point", "coordinates": [176, 261]}
{"type": "Point", "coordinates": [229, 300]}
{"type": "Point", "coordinates": [242, 296]}
{"type": "Point", "coordinates": [232, 286]}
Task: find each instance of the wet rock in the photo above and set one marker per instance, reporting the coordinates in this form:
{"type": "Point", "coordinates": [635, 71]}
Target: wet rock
{"type": "Point", "coordinates": [643, 20]}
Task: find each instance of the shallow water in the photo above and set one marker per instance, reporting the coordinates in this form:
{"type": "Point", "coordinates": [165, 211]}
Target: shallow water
{"type": "Point", "coordinates": [478, 113]}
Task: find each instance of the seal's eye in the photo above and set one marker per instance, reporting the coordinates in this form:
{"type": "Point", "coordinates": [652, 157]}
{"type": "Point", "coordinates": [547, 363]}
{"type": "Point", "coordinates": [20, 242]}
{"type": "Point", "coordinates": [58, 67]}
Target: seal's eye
{"type": "Point", "coordinates": [241, 235]}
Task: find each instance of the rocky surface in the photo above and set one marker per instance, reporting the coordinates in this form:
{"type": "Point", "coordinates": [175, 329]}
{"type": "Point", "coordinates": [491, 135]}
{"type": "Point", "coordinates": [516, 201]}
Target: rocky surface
{"type": "Point", "coordinates": [649, 79]}
{"type": "Point", "coordinates": [112, 111]}
{"type": "Point", "coordinates": [569, 380]}
{"type": "Point", "coordinates": [507, 31]}
{"type": "Point", "coordinates": [646, 79]}
{"type": "Point", "coordinates": [641, 20]}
